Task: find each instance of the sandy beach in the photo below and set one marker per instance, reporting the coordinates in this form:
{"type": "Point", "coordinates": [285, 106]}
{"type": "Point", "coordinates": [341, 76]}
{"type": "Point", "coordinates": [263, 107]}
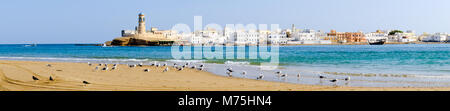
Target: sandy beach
{"type": "Point", "coordinates": [17, 76]}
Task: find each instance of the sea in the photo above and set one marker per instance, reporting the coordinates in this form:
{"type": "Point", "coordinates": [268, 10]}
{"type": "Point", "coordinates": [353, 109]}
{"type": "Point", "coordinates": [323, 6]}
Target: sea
{"type": "Point", "coordinates": [396, 65]}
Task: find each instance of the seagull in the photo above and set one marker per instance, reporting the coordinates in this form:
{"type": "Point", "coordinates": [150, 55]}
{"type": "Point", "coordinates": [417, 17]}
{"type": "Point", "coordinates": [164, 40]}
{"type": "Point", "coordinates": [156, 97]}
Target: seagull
{"type": "Point", "coordinates": [89, 64]}
{"type": "Point", "coordinates": [140, 64]}
{"type": "Point", "coordinates": [181, 68]}
{"type": "Point", "coordinates": [229, 74]}
{"type": "Point", "coordinates": [167, 69]}
{"type": "Point", "coordinates": [105, 68]}
{"type": "Point", "coordinates": [85, 82]}
{"type": "Point", "coordinates": [146, 70]}
{"type": "Point", "coordinates": [284, 75]}
{"type": "Point", "coordinates": [334, 80]}
{"type": "Point", "coordinates": [99, 64]}
{"type": "Point", "coordinates": [230, 69]}
{"type": "Point", "coordinates": [165, 64]}
{"type": "Point", "coordinates": [322, 77]}
{"type": "Point", "coordinates": [49, 65]}
{"type": "Point", "coordinates": [131, 66]}
{"type": "Point", "coordinates": [35, 78]}
{"type": "Point", "coordinates": [201, 68]}
{"type": "Point", "coordinates": [184, 66]}
{"type": "Point", "coordinates": [202, 65]}
{"type": "Point", "coordinates": [51, 79]}
{"type": "Point", "coordinates": [347, 79]}
{"type": "Point", "coordinates": [157, 65]}
{"type": "Point", "coordinates": [193, 67]}
{"type": "Point", "coordinates": [174, 66]}
{"type": "Point", "coordinates": [261, 76]}
{"type": "Point", "coordinates": [114, 67]}
{"type": "Point", "coordinates": [279, 72]}
{"type": "Point", "coordinates": [244, 73]}
{"type": "Point", "coordinates": [298, 76]}
{"type": "Point", "coordinates": [106, 65]}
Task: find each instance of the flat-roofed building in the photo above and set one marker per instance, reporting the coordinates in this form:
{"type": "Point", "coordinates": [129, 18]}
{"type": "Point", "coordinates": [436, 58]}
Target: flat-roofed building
{"type": "Point", "coordinates": [347, 37]}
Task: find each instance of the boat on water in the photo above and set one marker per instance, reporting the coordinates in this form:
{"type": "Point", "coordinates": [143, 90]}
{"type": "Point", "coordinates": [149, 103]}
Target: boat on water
{"type": "Point", "coordinates": [377, 41]}
{"type": "Point", "coordinates": [31, 45]}
{"type": "Point", "coordinates": [104, 45]}
{"type": "Point", "coordinates": [377, 38]}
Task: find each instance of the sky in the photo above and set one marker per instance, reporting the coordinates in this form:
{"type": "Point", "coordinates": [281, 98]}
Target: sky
{"type": "Point", "coordinates": [96, 21]}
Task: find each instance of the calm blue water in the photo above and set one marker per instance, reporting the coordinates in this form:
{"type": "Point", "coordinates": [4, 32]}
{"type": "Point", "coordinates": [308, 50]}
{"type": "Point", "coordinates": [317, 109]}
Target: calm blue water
{"type": "Point", "coordinates": [414, 59]}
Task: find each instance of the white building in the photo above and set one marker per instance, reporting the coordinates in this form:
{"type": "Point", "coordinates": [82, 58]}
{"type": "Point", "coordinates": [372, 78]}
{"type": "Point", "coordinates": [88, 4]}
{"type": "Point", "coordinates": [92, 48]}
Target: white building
{"type": "Point", "coordinates": [247, 38]}
{"type": "Point", "coordinates": [448, 38]}
{"type": "Point", "coordinates": [278, 38]}
{"type": "Point", "coordinates": [207, 37]}
{"type": "Point", "coordinates": [308, 36]}
{"type": "Point", "coordinates": [437, 37]}
{"type": "Point", "coordinates": [128, 33]}
{"type": "Point", "coordinates": [229, 35]}
{"type": "Point", "coordinates": [196, 40]}
{"type": "Point", "coordinates": [408, 36]}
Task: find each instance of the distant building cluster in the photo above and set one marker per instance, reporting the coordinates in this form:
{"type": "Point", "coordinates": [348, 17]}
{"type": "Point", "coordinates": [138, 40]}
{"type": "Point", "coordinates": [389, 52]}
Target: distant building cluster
{"type": "Point", "coordinates": [293, 36]}
{"type": "Point", "coordinates": [153, 34]}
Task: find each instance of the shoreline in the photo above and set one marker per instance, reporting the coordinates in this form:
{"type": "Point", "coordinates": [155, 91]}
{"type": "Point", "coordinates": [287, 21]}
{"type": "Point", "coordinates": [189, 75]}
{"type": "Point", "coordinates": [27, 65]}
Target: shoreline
{"type": "Point", "coordinates": [363, 43]}
{"type": "Point", "coordinates": [101, 44]}
{"type": "Point", "coordinates": [16, 76]}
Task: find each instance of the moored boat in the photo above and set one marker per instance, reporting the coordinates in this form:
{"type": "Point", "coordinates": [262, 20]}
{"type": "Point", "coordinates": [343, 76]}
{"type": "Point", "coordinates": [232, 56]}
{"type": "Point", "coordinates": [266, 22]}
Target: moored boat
{"type": "Point", "coordinates": [377, 42]}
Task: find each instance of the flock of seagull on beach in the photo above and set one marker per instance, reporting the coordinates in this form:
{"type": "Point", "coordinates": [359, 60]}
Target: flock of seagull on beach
{"type": "Point", "coordinates": [104, 67]}
{"type": "Point", "coordinates": [175, 65]}
{"type": "Point", "coordinates": [180, 67]}
{"type": "Point", "coordinates": [280, 74]}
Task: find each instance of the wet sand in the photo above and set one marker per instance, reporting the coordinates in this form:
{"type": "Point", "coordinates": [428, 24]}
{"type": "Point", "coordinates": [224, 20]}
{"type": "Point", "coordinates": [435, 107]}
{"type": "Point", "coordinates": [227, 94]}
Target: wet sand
{"type": "Point", "coordinates": [17, 76]}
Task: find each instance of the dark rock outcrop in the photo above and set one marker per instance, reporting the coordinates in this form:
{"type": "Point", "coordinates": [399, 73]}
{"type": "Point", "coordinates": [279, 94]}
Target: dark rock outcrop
{"type": "Point", "coordinates": [121, 41]}
{"type": "Point", "coordinates": [128, 41]}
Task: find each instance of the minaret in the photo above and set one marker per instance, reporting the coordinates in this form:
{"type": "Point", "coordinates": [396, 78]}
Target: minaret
{"type": "Point", "coordinates": [293, 28]}
{"type": "Point", "coordinates": [141, 27]}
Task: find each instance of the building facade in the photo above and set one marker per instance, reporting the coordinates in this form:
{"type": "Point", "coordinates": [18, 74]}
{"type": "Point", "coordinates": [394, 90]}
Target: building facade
{"type": "Point", "coordinates": [346, 37]}
{"type": "Point", "coordinates": [437, 37]}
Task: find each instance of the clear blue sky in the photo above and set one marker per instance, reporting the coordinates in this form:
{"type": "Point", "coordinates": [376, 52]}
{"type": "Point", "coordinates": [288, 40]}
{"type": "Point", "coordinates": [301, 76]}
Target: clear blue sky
{"type": "Point", "coordinates": [96, 21]}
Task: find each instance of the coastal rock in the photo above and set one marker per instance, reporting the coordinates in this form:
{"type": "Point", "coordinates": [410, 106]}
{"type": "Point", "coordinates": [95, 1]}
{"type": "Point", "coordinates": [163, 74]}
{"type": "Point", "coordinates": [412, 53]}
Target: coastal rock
{"type": "Point", "coordinates": [128, 41]}
{"type": "Point", "coordinates": [108, 43]}
{"type": "Point", "coordinates": [141, 42]}
{"type": "Point", "coordinates": [121, 41]}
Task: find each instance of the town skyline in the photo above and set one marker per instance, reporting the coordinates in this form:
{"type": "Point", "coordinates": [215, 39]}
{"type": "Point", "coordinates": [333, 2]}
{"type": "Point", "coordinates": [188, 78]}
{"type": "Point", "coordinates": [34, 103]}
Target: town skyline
{"type": "Point", "coordinates": [95, 22]}
{"type": "Point", "coordinates": [254, 35]}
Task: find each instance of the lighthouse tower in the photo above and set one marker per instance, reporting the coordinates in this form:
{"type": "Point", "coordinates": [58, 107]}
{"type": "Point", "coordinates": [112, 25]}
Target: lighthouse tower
{"type": "Point", "coordinates": [141, 26]}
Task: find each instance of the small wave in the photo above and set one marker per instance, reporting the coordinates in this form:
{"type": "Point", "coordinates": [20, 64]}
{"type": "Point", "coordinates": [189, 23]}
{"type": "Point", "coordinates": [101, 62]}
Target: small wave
{"type": "Point", "coordinates": [369, 74]}
{"type": "Point", "coordinates": [189, 61]}
{"type": "Point", "coordinates": [238, 63]}
{"type": "Point", "coordinates": [72, 59]}
{"type": "Point", "coordinates": [390, 75]}
{"type": "Point", "coordinates": [429, 76]}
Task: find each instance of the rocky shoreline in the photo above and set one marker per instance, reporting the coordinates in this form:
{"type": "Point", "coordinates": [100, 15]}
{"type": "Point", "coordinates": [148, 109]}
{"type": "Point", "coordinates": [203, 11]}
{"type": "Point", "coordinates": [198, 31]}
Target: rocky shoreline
{"type": "Point", "coordinates": [128, 41]}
